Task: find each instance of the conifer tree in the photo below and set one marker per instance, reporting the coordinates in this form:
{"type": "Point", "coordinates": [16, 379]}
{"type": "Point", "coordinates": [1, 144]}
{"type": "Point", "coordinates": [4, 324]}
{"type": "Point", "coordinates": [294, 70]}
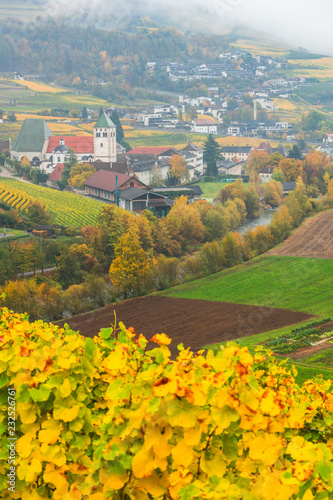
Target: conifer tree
{"type": "Point", "coordinates": [84, 114]}
{"type": "Point", "coordinates": [211, 155]}
{"type": "Point", "coordinates": [211, 150]}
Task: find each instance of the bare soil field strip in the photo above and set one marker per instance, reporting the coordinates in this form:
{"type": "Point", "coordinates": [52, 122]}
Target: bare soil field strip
{"type": "Point", "coordinates": [195, 323]}
{"type": "Point", "coordinates": [314, 240]}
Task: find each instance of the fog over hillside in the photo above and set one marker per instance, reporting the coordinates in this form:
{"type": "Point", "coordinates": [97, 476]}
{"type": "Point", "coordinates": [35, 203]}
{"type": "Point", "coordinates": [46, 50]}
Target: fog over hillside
{"type": "Point", "coordinates": [305, 23]}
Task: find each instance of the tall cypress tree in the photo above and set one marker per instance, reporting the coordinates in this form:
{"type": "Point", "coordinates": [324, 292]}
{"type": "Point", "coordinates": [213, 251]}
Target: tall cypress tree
{"type": "Point", "coordinates": [212, 150]}
{"type": "Point", "coordinates": [84, 113]}
{"type": "Point", "coordinates": [120, 132]}
{"type": "Point", "coordinates": [117, 122]}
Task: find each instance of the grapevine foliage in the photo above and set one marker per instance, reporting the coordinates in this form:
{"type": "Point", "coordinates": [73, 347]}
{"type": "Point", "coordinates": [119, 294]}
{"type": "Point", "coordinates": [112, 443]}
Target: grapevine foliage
{"type": "Point", "coordinates": [106, 418]}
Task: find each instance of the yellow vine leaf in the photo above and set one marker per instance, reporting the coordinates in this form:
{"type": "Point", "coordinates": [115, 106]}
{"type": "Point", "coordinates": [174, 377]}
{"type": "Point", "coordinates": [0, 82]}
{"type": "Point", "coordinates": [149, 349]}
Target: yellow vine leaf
{"type": "Point", "coordinates": [29, 471]}
{"type": "Point", "coordinates": [142, 463]}
{"type": "Point", "coordinates": [265, 448]}
{"type": "Point", "coordinates": [182, 453]}
{"type": "Point", "coordinates": [65, 389]}
{"type": "Point", "coordinates": [66, 414]}
{"type": "Point", "coordinates": [51, 431]}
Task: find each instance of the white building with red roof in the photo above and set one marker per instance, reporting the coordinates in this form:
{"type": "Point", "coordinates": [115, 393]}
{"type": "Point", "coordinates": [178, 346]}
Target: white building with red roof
{"type": "Point", "coordinates": [57, 148]}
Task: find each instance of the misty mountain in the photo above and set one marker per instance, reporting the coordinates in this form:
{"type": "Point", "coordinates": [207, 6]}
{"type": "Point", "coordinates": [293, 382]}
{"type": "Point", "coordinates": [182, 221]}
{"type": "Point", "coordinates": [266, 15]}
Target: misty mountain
{"type": "Point", "coordinates": [298, 23]}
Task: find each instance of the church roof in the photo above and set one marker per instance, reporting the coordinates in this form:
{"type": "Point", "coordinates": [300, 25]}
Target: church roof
{"type": "Point", "coordinates": [104, 122]}
{"type": "Point", "coordinates": [80, 145]}
{"type": "Point", "coordinates": [32, 136]}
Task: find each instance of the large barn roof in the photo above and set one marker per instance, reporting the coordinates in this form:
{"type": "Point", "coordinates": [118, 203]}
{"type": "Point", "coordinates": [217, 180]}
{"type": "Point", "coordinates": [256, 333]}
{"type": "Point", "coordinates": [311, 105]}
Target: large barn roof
{"type": "Point", "coordinates": [106, 180]}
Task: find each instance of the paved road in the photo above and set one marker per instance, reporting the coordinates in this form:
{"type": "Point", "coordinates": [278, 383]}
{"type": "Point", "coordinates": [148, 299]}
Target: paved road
{"type": "Point", "coordinates": [5, 172]}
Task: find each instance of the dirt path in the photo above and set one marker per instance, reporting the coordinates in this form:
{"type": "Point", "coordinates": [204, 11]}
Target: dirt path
{"type": "Point", "coordinates": [195, 323]}
{"type": "Point", "coordinates": [308, 351]}
{"type": "Point", "coordinates": [314, 239]}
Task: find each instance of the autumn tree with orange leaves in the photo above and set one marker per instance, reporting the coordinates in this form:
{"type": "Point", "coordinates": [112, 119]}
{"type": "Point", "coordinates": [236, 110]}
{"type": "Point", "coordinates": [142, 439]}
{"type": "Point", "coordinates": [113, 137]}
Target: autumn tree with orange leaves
{"type": "Point", "coordinates": [179, 168]}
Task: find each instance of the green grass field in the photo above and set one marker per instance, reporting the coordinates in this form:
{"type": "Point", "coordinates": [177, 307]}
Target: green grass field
{"type": "Point", "coordinates": [141, 137]}
{"type": "Point", "coordinates": [212, 189]}
{"type": "Point", "coordinates": [298, 284]}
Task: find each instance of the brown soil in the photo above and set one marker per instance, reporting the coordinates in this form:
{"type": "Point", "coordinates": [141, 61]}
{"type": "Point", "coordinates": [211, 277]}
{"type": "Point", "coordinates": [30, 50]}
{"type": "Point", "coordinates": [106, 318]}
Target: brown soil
{"type": "Point", "coordinates": [314, 239]}
{"type": "Point", "coordinates": [195, 323]}
{"type": "Point", "coordinates": [308, 351]}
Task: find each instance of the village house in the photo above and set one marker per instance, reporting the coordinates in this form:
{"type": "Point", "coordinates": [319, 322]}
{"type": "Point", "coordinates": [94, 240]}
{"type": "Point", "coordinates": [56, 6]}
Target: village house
{"type": "Point", "coordinates": [205, 126]}
{"type": "Point", "coordinates": [230, 167]}
{"type": "Point", "coordinates": [242, 153]}
{"type": "Point", "coordinates": [104, 184]}
{"type": "Point", "coordinates": [126, 191]}
{"type": "Point", "coordinates": [265, 174]}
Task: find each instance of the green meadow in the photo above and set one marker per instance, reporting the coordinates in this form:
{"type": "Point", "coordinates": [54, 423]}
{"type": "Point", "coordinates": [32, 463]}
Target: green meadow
{"type": "Point", "coordinates": [298, 284]}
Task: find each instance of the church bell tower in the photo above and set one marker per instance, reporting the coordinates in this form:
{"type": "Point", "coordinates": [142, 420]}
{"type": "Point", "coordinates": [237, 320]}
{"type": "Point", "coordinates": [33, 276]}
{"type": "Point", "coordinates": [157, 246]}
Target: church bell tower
{"type": "Point", "coordinates": [105, 140]}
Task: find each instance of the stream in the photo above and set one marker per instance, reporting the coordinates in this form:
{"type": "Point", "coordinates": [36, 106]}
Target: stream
{"type": "Point", "coordinates": [264, 220]}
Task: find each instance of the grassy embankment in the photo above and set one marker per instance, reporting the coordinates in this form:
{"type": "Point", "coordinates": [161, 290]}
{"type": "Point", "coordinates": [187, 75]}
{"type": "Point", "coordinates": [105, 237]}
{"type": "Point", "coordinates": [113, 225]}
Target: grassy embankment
{"type": "Point", "coordinates": [212, 189]}
{"type": "Point", "coordinates": [298, 284]}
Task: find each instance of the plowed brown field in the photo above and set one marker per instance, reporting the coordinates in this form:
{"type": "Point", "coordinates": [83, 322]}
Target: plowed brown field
{"type": "Point", "coordinates": [195, 323]}
{"type": "Point", "coordinates": [315, 239]}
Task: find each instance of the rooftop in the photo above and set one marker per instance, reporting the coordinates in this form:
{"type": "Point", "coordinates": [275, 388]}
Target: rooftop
{"type": "Point", "coordinates": [32, 136]}
{"type": "Point", "coordinates": [106, 180]}
{"type": "Point", "coordinates": [104, 121]}
{"type": "Point", "coordinates": [80, 144]}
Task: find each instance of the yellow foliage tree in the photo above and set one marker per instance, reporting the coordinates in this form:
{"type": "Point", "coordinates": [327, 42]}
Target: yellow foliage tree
{"type": "Point", "coordinates": [130, 269]}
{"type": "Point", "coordinates": [80, 173]}
{"type": "Point", "coordinates": [25, 162]}
{"type": "Point", "coordinates": [179, 168]}
{"type": "Point", "coordinates": [186, 218]}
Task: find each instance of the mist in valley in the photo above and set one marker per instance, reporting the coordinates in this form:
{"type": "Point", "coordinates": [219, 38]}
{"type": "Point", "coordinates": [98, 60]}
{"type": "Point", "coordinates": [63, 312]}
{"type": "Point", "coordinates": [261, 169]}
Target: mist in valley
{"type": "Point", "coordinates": [301, 23]}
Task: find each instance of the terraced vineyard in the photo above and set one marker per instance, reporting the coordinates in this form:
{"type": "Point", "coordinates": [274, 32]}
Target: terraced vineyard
{"type": "Point", "coordinates": [67, 209]}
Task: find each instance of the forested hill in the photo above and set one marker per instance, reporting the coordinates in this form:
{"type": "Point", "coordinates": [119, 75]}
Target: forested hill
{"type": "Point", "coordinates": [52, 46]}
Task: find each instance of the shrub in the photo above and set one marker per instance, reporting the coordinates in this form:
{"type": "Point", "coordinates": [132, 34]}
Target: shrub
{"type": "Point", "coordinates": [105, 418]}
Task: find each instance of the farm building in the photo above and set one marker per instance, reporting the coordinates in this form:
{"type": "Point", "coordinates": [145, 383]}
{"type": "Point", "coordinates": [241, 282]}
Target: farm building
{"type": "Point", "coordinates": [127, 191]}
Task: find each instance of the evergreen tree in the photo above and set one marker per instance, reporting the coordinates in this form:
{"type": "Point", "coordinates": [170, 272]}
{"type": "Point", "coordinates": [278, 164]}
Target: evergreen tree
{"type": "Point", "coordinates": [84, 113]}
{"type": "Point", "coordinates": [295, 152]}
{"type": "Point", "coordinates": [212, 168]}
{"type": "Point", "coordinates": [212, 151]}
{"type": "Point", "coordinates": [70, 161]}
{"type": "Point", "coordinates": [117, 122]}
{"type": "Point", "coordinates": [11, 117]}
{"type": "Point", "coordinates": [120, 132]}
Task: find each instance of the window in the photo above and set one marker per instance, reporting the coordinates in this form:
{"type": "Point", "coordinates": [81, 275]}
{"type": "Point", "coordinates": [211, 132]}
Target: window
{"type": "Point", "coordinates": [101, 144]}
{"type": "Point", "coordinates": [105, 134]}
{"type": "Point", "coordinates": [59, 159]}
{"type": "Point", "coordinates": [132, 184]}
{"type": "Point", "coordinates": [98, 134]}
